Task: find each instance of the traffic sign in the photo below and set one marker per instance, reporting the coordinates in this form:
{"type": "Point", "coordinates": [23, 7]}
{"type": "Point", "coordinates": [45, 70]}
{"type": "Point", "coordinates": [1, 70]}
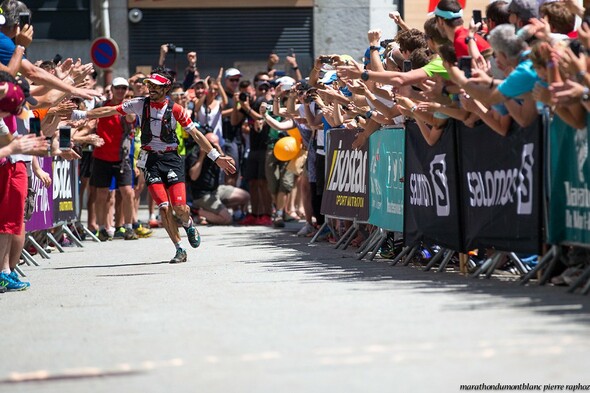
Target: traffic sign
{"type": "Point", "coordinates": [103, 52]}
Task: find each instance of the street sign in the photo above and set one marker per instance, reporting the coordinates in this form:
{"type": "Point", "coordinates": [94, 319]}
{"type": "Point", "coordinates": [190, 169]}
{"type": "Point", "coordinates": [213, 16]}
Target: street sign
{"type": "Point", "coordinates": [103, 52]}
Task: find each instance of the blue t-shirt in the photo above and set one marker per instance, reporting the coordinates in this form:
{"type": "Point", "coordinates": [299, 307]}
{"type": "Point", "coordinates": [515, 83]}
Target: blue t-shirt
{"type": "Point", "coordinates": [7, 48]}
{"type": "Point", "coordinates": [520, 81]}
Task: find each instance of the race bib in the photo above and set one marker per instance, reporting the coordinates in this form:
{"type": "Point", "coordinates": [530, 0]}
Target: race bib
{"type": "Point", "coordinates": [141, 159]}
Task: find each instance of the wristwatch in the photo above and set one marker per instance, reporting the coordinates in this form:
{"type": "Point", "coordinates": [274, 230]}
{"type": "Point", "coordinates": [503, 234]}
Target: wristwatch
{"type": "Point", "coordinates": [365, 75]}
{"type": "Point", "coordinates": [368, 114]}
{"type": "Point", "coordinates": [373, 47]}
{"type": "Point", "coordinates": [469, 38]}
{"type": "Point", "coordinates": [586, 95]}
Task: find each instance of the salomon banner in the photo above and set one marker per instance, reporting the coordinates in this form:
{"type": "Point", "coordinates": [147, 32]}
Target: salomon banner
{"type": "Point", "coordinates": [65, 190]}
{"type": "Point", "coordinates": [42, 217]}
{"type": "Point", "coordinates": [347, 193]}
{"type": "Point", "coordinates": [569, 175]}
{"type": "Point", "coordinates": [386, 176]}
{"type": "Point", "coordinates": [501, 187]}
{"type": "Point", "coordinates": [431, 192]}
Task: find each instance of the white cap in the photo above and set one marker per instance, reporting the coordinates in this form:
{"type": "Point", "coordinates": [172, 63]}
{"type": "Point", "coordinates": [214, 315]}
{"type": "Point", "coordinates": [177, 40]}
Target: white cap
{"type": "Point", "coordinates": [232, 72]}
{"type": "Point", "coordinates": [120, 82]}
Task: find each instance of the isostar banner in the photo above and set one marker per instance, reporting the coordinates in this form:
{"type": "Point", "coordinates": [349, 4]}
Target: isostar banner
{"type": "Point", "coordinates": [431, 192]}
{"type": "Point", "coordinates": [65, 190]}
{"type": "Point", "coordinates": [386, 177]}
{"type": "Point", "coordinates": [346, 193]}
{"type": "Point", "coordinates": [569, 178]}
{"type": "Point", "coordinates": [42, 217]}
{"type": "Point", "coordinates": [501, 187]}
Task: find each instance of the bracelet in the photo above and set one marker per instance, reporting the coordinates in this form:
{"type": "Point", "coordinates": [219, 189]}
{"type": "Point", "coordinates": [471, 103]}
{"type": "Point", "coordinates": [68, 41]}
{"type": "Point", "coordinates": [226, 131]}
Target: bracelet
{"type": "Point", "coordinates": [213, 154]}
{"type": "Point", "coordinates": [413, 109]}
{"type": "Point", "coordinates": [294, 68]}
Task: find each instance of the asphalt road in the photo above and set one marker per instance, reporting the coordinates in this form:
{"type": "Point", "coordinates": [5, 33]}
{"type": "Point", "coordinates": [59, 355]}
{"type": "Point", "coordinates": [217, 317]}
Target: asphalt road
{"type": "Point", "coordinates": [260, 310]}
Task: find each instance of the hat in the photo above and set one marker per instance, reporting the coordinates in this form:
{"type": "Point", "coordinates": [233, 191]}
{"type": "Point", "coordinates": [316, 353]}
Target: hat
{"type": "Point", "coordinates": [524, 9]}
{"type": "Point", "coordinates": [24, 85]}
{"type": "Point", "coordinates": [232, 72]}
{"type": "Point", "coordinates": [13, 100]}
{"type": "Point", "coordinates": [263, 83]}
{"type": "Point", "coordinates": [120, 82]}
{"type": "Point", "coordinates": [198, 81]}
{"type": "Point", "coordinates": [286, 82]}
{"type": "Point", "coordinates": [329, 77]}
{"type": "Point", "coordinates": [2, 20]}
{"type": "Point", "coordinates": [157, 79]}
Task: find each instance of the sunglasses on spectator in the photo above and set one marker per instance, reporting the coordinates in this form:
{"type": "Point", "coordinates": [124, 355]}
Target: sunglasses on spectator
{"type": "Point", "coordinates": [235, 80]}
{"type": "Point", "coordinates": [120, 87]}
{"type": "Point", "coordinates": [182, 94]}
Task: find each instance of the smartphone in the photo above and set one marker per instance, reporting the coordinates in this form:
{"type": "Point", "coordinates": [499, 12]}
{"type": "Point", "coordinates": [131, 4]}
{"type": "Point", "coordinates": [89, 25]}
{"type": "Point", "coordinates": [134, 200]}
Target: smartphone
{"type": "Point", "coordinates": [326, 59]}
{"type": "Point", "coordinates": [575, 46]}
{"type": "Point", "coordinates": [56, 59]}
{"type": "Point", "coordinates": [477, 16]}
{"type": "Point", "coordinates": [35, 126]}
{"type": "Point", "coordinates": [24, 18]}
{"type": "Point", "coordinates": [291, 52]}
{"type": "Point", "coordinates": [407, 66]}
{"type": "Point", "coordinates": [465, 65]}
{"type": "Point", "coordinates": [65, 138]}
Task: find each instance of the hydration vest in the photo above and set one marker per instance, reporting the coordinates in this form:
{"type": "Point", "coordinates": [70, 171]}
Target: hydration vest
{"type": "Point", "coordinates": [167, 132]}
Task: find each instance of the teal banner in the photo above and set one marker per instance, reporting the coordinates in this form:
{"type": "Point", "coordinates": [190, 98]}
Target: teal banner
{"type": "Point", "coordinates": [386, 172]}
{"type": "Point", "coordinates": [569, 177]}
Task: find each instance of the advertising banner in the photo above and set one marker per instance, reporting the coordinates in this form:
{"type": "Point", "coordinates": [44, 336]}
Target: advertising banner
{"type": "Point", "coordinates": [569, 175]}
{"type": "Point", "coordinates": [501, 187]}
{"type": "Point", "coordinates": [386, 176]}
{"type": "Point", "coordinates": [42, 217]}
{"type": "Point", "coordinates": [431, 192]}
{"type": "Point", "coordinates": [65, 190]}
{"type": "Point", "coordinates": [347, 190]}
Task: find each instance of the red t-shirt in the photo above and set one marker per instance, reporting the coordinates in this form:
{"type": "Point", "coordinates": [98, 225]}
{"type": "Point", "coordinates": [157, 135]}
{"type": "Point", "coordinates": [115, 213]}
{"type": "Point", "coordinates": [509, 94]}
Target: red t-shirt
{"type": "Point", "coordinates": [461, 47]}
{"type": "Point", "coordinates": [111, 130]}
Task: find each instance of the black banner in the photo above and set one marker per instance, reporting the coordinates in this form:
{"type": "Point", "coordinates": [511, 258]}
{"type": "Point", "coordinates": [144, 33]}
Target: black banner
{"type": "Point", "coordinates": [347, 185]}
{"type": "Point", "coordinates": [431, 193]}
{"type": "Point", "coordinates": [501, 187]}
{"type": "Point", "coordinates": [65, 190]}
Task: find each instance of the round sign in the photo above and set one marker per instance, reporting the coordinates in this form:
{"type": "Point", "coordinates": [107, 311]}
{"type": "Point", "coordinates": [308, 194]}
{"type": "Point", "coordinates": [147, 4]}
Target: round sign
{"type": "Point", "coordinates": [103, 52]}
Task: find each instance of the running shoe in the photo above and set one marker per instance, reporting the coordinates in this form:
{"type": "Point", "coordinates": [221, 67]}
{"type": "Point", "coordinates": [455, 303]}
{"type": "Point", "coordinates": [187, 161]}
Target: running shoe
{"type": "Point", "coordinates": [264, 220]}
{"type": "Point", "coordinates": [153, 223]}
{"type": "Point", "coordinates": [120, 233]}
{"type": "Point", "coordinates": [103, 235]}
{"type": "Point", "coordinates": [143, 232]}
{"type": "Point", "coordinates": [7, 282]}
{"type": "Point", "coordinates": [194, 238]}
{"type": "Point", "coordinates": [130, 235]}
{"type": "Point", "coordinates": [249, 220]}
{"type": "Point", "coordinates": [180, 256]}
{"type": "Point", "coordinates": [306, 230]}
{"type": "Point", "coordinates": [14, 275]}
{"type": "Point", "coordinates": [278, 222]}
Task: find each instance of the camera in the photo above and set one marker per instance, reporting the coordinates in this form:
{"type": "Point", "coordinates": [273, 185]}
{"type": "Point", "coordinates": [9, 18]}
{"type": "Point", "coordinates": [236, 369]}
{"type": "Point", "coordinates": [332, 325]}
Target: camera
{"type": "Point", "coordinates": [244, 97]}
{"type": "Point", "coordinates": [326, 59]}
{"type": "Point", "coordinates": [384, 43]}
{"type": "Point", "coordinates": [465, 65]}
{"type": "Point", "coordinates": [205, 128]}
{"type": "Point", "coordinates": [174, 48]}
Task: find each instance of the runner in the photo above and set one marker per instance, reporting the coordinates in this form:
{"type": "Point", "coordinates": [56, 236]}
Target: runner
{"type": "Point", "coordinates": [159, 158]}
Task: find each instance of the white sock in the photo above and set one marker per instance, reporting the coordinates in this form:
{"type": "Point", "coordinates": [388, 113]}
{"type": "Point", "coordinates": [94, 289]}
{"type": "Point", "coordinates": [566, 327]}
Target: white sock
{"type": "Point", "coordinates": [189, 223]}
{"type": "Point", "coordinates": [111, 231]}
{"type": "Point", "coordinates": [7, 271]}
{"type": "Point", "coordinates": [128, 226]}
{"type": "Point", "coordinates": [178, 245]}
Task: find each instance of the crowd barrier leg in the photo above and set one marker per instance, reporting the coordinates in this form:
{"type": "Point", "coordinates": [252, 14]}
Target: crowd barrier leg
{"type": "Point", "coordinates": [519, 265]}
{"type": "Point", "coordinates": [370, 245]}
{"type": "Point", "coordinates": [485, 266]}
{"type": "Point", "coordinates": [64, 229]}
{"type": "Point", "coordinates": [497, 260]}
{"type": "Point", "coordinates": [408, 258]}
{"type": "Point", "coordinates": [382, 241]}
{"type": "Point", "coordinates": [19, 271]}
{"type": "Point", "coordinates": [400, 255]}
{"type": "Point", "coordinates": [30, 239]}
{"type": "Point", "coordinates": [347, 234]}
{"type": "Point", "coordinates": [351, 237]}
{"type": "Point", "coordinates": [54, 241]}
{"type": "Point", "coordinates": [315, 237]}
{"type": "Point", "coordinates": [89, 233]}
{"type": "Point", "coordinates": [29, 260]}
{"type": "Point", "coordinates": [445, 261]}
{"type": "Point", "coordinates": [435, 259]}
{"type": "Point", "coordinates": [547, 275]}
{"type": "Point", "coordinates": [545, 260]}
{"type": "Point", "coordinates": [365, 245]}
{"type": "Point", "coordinates": [585, 275]}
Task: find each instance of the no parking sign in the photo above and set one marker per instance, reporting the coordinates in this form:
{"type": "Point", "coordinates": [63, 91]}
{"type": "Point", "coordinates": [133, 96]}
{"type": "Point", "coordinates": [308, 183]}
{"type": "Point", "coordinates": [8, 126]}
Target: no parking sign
{"type": "Point", "coordinates": [103, 52]}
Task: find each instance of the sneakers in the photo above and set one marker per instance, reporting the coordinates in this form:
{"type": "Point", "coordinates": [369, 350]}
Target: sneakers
{"type": "Point", "coordinates": [306, 230]}
{"type": "Point", "coordinates": [249, 220]}
{"type": "Point", "coordinates": [7, 282]}
{"type": "Point", "coordinates": [278, 222]}
{"type": "Point", "coordinates": [153, 223]}
{"type": "Point", "coordinates": [103, 235]}
{"type": "Point", "coordinates": [15, 277]}
{"type": "Point", "coordinates": [180, 256]}
{"type": "Point", "coordinates": [142, 232]}
{"type": "Point", "coordinates": [193, 236]}
{"type": "Point", "coordinates": [130, 235]}
{"type": "Point", "coordinates": [120, 233]}
{"type": "Point", "coordinates": [264, 220]}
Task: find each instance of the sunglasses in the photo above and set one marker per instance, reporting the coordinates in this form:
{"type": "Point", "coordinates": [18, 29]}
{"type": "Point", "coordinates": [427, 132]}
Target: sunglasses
{"type": "Point", "coordinates": [120, 87]}
{"type": "Point", "coordinates": [235, 80]}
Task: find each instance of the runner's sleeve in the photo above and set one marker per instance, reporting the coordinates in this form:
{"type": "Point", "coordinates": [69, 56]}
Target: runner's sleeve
{"type": "Point", "coordinates": [182, 117]}
{"type": "Point", "coordinates": [134, 106]}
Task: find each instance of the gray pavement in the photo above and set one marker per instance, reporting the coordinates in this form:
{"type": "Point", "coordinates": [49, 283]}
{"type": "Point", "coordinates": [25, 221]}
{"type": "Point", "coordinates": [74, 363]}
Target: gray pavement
{"type": "Point", "coordinates": [260, 310]}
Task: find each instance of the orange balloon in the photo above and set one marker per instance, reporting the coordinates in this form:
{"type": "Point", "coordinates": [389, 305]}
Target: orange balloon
{"type": "Point", "coordinates": [286, 148]}
{"type": "Point", "coordinates": [294, 132]}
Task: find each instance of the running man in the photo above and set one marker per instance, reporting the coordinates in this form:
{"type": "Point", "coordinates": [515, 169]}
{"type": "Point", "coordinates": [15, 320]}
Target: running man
{"type": "Point", "coordinates": [159, 159]}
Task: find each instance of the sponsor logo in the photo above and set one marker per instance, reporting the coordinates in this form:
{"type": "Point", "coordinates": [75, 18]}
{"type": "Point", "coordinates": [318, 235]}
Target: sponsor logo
{"type": "Point", "coordinates": [504, 186]}
{"type": "Point", "coordinates": [62, 184]}
{"type": "Point", "coordinates": [581, 143]}
{"type": "Point", "coordinates": [347, 173]}
{"type": "Point", "coordinates": [172, 175]}
{"type": "Point", "coordinates": [421, 187]}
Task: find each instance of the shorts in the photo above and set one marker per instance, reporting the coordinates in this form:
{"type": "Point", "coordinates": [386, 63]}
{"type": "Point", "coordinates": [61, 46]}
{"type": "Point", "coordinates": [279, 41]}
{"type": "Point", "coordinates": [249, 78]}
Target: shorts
{"type": "Point", "coordinates": [86, 164]}
{"type": "Point", "coordinates": [278, 178]}
{"type": "Point", "coordinates": [255, 166]}
{"type": "Point", "coordinates": [14, 184]}
{"type": "Point", "coordinates": [167, 168]}
{"type": "Point", "coordinates": [214, 201]}
{"type": "Point", "coordinates": [320, 174]}
{"type": "Point", "coordinates": [103, 173]}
